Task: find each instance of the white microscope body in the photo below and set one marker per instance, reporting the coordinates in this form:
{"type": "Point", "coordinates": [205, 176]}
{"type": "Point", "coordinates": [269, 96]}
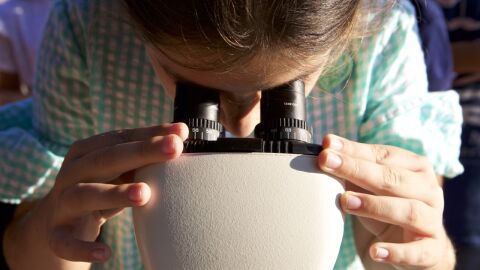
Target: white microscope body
{"type": "Point", "coordinates": [241, 204]}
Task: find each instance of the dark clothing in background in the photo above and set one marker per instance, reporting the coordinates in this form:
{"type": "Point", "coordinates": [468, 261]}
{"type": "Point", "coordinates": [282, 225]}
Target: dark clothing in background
{"type": "Point", "coordinates": [469, 9]}
{"type": "Point", "coordinates": [468, 258]}
{"type": "Point", "coordinates": [435, 43]}
{"type": "Point", "coordinates": [462, 194]}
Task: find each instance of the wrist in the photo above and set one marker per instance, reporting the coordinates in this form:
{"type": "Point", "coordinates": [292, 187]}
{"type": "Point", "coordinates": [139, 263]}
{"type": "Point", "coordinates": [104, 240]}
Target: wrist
{"type": "Point", "coordinates": [26, 242]}
{"type": "Point", "coordinates": [14, 241]}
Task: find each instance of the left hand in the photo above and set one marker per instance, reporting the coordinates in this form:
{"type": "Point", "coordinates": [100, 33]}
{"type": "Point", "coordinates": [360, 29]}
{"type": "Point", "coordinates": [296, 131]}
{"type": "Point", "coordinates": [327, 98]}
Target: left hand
{"type": "Point", "coordinates": [397, 198]}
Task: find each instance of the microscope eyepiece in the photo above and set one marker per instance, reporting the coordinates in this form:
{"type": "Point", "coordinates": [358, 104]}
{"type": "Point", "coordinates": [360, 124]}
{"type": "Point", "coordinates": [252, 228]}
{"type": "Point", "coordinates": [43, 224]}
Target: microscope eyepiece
{"type": "Point", "coordinates": [198, 108]}
{"type": "Point", "coordinates": [283, 114]}
{"type": "Point", "coordinates": [282, 129]}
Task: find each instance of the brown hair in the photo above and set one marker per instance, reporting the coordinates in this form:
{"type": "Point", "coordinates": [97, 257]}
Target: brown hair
{"type": "Point", "coordinates": [234, 31]}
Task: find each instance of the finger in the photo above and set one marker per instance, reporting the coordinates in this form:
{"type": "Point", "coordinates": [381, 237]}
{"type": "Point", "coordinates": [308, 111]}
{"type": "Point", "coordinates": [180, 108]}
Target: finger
{"type": "Point", "coordinates": [108, 214]}
{"type": "Point", "coordinates": [88, 227]}
{"type": "Point", "coordinates": [412, 215]}
{"type": "Point", "coordinates": [85, 198]}
{"type": "Point", "coordinates": [65, 246]}
{"type": "Point", "coordinates": [379, 179]}
{"type": "Point", "coordinates": [423, 253]}
{"type": "Point", "coordinates": [111, 138]}
{"type": "Point", "coordinates": [109, 163]}
{"type": "Point", "coordinates": [381, 154]}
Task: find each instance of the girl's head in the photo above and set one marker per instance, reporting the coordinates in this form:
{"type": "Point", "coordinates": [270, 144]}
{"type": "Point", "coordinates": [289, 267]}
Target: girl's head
{"type": "Point", "coordinates": [242, 46]}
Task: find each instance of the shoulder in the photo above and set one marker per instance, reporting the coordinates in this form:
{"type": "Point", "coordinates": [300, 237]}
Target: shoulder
{"type": "Point", "coordinates": [392, 21]}
{"type": "Point", "coordinates": [382, 32]}
{"type": "Point", "coordinates": [87, 12]}
{"type": "Point", "coordinates": [390, 33]}
{"type": "Point", "coordinates": [86, 21]}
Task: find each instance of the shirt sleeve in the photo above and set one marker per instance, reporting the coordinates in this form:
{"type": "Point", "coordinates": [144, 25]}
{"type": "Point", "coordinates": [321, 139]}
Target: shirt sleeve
{"type": "Point", "coordinates": [26, 164]}
{"type": "Point", "coordinates": [399, 110]}
{"type": "Point", "coordinates": [7, 62]}
{"type": "Point", "coordinates": [35, 134]}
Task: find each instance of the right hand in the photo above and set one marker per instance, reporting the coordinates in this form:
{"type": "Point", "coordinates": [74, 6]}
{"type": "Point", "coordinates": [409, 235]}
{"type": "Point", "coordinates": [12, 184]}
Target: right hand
{"type": "Point", "coordinates": [93, 185]}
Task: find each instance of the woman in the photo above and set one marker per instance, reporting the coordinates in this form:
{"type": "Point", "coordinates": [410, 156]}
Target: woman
{"type": "Point", "coordinates": [96, 75]}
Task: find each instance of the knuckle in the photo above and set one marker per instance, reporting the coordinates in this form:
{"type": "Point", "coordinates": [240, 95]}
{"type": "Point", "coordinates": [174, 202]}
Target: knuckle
{"type": "Point", "coordinates": [76, 149]}
{"type": "Point", "coordinates": [375, 209]}
{"type": "Point", "coordinates": [74, 196]}
{"type": "Point", "coordinates": [97, 218]}
{"type": "Point", "coordinates": [433, 195]}
{"type": "Point", "coordinates": [423, 256]}
{"type": "Point", "coordinates": [124, 135]}
{"type": "Point", "coordinates": [414, 213]}
{"type": "Point", "coordinates": [64, 175]}
{"type": "Point", "coordinates": [355, 170]}
{"type": "Point", "coordinates": [392, 179]}
{"type": "Point", "coordinates": [423, 164]}
{"type": "Point", "coordinates": [145, 148]}
{"type": "Point", "coordinates": [380, 153]}
{"type": "Point", "coordinates": [76, 146]}
{"type": "Point", "coordinates": [64, 200]}
{"type": "Point", "coordinates": [402, 256]}
{"type": "Point", "coordinates": [103, 160]}
{"type": "Point", "coordinates": [424, 161]}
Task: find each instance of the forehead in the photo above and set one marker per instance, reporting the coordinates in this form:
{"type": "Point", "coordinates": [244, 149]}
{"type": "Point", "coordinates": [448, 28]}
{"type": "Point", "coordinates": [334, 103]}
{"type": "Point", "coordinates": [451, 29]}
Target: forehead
{"type": "Point", "coordinates": [257, 74]}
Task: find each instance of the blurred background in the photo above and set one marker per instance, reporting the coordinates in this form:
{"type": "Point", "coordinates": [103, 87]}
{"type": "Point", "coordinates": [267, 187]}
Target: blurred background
{"type": "Point", "coordinates": [450, 34]}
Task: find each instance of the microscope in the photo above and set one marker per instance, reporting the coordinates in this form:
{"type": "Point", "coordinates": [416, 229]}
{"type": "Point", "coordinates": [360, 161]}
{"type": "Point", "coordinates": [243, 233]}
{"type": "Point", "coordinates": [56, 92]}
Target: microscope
{"type": "Point", "coordinates": [241, 203]}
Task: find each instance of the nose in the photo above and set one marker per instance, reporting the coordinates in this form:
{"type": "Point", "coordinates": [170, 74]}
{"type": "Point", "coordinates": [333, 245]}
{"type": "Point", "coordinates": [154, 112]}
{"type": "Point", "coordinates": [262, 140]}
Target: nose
{"type": "Point", "coordinates": [240, 113]}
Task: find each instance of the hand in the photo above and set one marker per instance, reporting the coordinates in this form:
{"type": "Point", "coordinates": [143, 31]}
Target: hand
{"type": "Point", "coordinates": [92, 186]}
{"type": "Point", "coordinates": [396, 197]}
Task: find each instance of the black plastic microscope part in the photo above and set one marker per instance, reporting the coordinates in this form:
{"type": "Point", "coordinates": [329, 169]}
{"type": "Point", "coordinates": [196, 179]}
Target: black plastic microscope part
{"type": "Point", "coordinates": [282, 129]}
{"type": "Point", "coordinates": [198, 108]}
{"type": "Point", "coordinates": [283, 114]}
{"type": "Point", "coordinates": [251, 145]}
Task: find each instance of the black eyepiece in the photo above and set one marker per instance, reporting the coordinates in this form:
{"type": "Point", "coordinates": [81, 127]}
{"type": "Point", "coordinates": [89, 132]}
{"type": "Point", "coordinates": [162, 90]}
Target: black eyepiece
{"type": "Point", "coordinates": [283, 114]}
{"type": "Point", "coordinates": [198, 108]}
{"type": "Point", "coordinates": [283, 127]}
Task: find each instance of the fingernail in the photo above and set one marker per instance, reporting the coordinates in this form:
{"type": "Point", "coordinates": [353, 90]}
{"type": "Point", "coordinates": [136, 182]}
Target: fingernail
{"type": "Point", "coordinates": [168, 145]}
{"type": "Point", "coordinates": [98, 254]}
{"type": "Point", "coordinates": [333, 161]}
{"type": "Point", "coordinates": [353, 202]}
{"type": "Point", "coordinates": [336, 144]}
{"type": "Point", "coordinates": [135, 194]}
{"type": "Point", "coordinates": [381, 253]}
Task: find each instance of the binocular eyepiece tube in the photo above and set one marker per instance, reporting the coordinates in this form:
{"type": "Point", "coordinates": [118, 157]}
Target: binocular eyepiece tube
{"type": "Point", "coordinates": [282, 117]}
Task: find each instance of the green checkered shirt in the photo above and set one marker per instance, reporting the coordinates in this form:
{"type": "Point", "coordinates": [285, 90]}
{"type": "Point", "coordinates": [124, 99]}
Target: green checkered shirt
{"type": "Point", "coordinates": [93, 75]}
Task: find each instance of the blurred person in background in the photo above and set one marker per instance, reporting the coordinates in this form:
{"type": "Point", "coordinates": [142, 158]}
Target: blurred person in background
{"type": "Point", "coordinates": [21, 29]}
{"type": "Point", "coordinates": [462, 194]}
{"type": "Point", "coordinates": [435, 41]}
